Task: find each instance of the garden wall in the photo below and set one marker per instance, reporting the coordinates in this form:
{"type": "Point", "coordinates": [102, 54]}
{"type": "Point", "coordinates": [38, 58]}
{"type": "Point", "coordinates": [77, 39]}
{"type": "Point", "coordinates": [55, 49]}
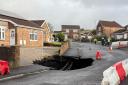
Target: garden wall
{"type": "Point", "coordinates": [28, 55]}
{"type": "Point", "coordinates": [64, 48]}
{"type": "Point", "coordinates": [10, 54]}
{"type": "Point", "coordinates": [19, 56]}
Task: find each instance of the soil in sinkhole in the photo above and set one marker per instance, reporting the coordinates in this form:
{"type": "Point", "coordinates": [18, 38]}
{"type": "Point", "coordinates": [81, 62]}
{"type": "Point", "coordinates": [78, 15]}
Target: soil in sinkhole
{"type": "Point", "coordinates": [65, 62]}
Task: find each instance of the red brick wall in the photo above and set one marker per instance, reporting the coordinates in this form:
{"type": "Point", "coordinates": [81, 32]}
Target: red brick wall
{"type": "Point", "coordinates": [23, 34]}
{"type": "Point", "coordinates": [109, 30]}
{"type": "Point", "coordinates": [71, 33]}
{"type": "Point", "coordinates": [5, 42]}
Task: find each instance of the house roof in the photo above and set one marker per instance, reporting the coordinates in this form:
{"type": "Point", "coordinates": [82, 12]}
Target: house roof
{"type": "Point", "coordinates": [70, 26]}
{"type": "Point", "coordinates": [57, 31]}
{"type": "Point", "coordinates": [18, 21]}
{"type": "Point", "coordinates": [125, 26]}
{"type": "Point", "coordinates": [121, 31]}
{"type": "Point", "coordinates": [39, 22]}
{"type": "Point", "coordinates": [110, 24]}
{"type": "Point", "coordinates": [87, 33]}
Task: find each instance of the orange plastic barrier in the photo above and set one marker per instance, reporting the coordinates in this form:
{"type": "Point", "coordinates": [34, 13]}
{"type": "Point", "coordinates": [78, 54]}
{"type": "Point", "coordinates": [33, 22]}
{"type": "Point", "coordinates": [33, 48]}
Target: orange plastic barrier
{"type": "Point", "coordinates": [98, 55]}
{"type": "Point", "coordinates": [4, 67]}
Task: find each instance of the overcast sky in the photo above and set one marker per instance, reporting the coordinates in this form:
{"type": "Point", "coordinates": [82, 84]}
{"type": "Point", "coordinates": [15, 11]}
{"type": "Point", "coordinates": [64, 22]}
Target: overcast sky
{"type": "Point", "coordinates": [85, 13]}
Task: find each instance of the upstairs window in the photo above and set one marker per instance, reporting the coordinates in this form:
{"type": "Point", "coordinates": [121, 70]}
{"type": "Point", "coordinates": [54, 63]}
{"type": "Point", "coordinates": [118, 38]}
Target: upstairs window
{"type": "Point", "coordinates": [33, 36]}
{"type": "Point", "coordinates": [75, 30]}
{"type": "Point", "coordinates": [99, 28]}
{"type": "Point", "coordinates": [2, 33]}
{"type": "Point", "coordinates": [67, 30]}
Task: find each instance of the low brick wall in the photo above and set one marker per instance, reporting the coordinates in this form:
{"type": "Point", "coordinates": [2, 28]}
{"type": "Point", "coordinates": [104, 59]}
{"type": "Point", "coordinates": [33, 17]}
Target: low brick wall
{"type": "Point", "coordinates": [64, 48]}
{"type": "Point", "coordinates": [21, 56]}
{"type": "Point", "coordinates": [28, 55]}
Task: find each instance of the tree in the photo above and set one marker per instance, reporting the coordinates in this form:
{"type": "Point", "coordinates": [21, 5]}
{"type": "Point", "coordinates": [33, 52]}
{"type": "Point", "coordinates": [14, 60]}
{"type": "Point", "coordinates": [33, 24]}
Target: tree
{"type": "Point", "coordinates": [93, 32]}
{"type": "Point", "coordinates": [60, 37]}
{"type": "Point", "coordinates": [50, 26]}
{"type": "Point", "coordinates": [55, 37]}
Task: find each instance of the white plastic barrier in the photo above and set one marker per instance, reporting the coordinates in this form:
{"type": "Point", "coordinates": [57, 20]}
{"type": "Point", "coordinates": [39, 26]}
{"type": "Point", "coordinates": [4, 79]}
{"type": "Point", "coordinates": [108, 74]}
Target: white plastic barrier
{"type": "Point", "coordinates": [125, 65]}
{"type": "Point", "coordinates": [116, 44]}
{"type": "Point", "coordinates": [116, 73]}
{"type": "Point", "coordinates": [110, 77]}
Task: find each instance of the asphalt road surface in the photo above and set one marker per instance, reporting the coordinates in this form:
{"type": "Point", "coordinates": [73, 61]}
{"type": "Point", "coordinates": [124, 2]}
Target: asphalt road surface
{"type": "Point", "coordinates": [91, 75]}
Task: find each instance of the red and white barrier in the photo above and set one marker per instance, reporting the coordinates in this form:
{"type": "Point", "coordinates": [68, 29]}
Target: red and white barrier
{"type": "Point", "coordinates": [119, 44]}
{"type": "Point", "coordinates": [110, 77]}
{"type": "Point", "coordinates": [116, 73]}
{"type": "Point", "coordinates": [120, 70]}
{"type": "Point", "coordinates": [125, 65]}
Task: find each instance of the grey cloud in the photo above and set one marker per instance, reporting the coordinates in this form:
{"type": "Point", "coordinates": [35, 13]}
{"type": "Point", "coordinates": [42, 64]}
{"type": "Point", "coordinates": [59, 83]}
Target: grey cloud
{"type": "Point", "coordinates": [83, 12]}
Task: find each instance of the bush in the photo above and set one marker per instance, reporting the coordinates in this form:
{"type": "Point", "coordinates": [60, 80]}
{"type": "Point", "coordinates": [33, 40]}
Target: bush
{"type": "Point", "coordinates": [85, 40]}
{"type": "Point", "coordinates": [97, 37]}
{"type": "Point", "coordinates": [113, 40]}
{"type": "Point", "coordinates": [54, 44]}
{"type": "Point", "coordinates": [60, 37]}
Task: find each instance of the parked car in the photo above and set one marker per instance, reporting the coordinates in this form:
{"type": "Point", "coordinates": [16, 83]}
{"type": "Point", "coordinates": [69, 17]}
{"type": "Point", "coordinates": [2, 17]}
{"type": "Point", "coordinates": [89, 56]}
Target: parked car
{"type": "Point", "coordinates": [4, 67]}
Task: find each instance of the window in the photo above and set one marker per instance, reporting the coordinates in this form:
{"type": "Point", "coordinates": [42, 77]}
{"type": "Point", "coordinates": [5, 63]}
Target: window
{"type": "Point", "coordinates": [99, 28]}
{"type": "Point", "coordinates": [2, 33]}
{"type": "Point", "coordinates": [67, 30]}
{"type": "Point", "coordinates": [75, 30]}
{"type": "Point", "coordinates": [33, 36]}
{"type": "Point", "coordinates": [12, 34]}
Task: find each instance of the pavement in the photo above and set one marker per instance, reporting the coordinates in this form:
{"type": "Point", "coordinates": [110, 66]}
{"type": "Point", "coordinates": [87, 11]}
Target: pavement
{"type": "Point", "coordinates": [24, 70]}
{"type": "Point", "coordinates": [91, 75]}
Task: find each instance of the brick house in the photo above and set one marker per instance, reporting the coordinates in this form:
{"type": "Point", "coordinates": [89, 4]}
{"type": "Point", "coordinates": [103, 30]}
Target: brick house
{"type": "Point", "coordinates": [15, 31]}
{"type": "Point", "coordinates": [23, 33]}
{"type": "Point", "coordinates": [107, 28]}
{"type": "Point", "coordinates": [121, 34]}
{"type": "Point", "coordinates": [48, 34]}
{"type": "Point", "coordinates": [72, 31]}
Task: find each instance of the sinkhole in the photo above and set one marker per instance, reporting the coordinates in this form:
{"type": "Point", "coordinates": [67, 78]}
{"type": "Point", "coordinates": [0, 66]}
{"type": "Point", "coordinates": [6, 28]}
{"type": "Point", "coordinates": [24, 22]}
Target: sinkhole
{"type": "Point", "coordinates": [65, 62]}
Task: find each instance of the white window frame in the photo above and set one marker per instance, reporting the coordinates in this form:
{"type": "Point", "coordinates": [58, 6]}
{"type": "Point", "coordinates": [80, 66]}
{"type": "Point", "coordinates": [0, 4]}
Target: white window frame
{"type": "Point", "coordinates": [67, 30]}
{"type": "Point", "coordinates": [99, 28]}
{"type": "Point", "coordinates": [34, 35]}
{"type": "Point", "coordinates": [75, 30]}
{"type": "Point", "coordinates": [2, 33]}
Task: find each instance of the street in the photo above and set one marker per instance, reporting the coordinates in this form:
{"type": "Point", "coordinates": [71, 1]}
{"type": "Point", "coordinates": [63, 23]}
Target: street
{"type": "Point", "coordinates": [91, 75]}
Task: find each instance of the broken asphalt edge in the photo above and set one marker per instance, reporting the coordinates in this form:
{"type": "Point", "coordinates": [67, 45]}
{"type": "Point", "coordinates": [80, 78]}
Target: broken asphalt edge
{"type": "Point", "coordinates": [23, 74]}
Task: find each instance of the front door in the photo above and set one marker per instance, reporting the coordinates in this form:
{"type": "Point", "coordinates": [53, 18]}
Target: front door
{"type": "Point", "coordinates": [12, 37]}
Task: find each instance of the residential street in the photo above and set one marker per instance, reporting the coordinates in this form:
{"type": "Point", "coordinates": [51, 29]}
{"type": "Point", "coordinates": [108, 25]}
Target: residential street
{"type": "Point", "coordinates": [91, 75]}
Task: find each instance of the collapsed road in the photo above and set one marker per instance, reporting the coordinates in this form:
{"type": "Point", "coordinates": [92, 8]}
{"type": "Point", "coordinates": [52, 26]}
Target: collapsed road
{"type": "Point", "coordinates": [90, 75]}
{"type": "Point", "coordinates": [66, 62]}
